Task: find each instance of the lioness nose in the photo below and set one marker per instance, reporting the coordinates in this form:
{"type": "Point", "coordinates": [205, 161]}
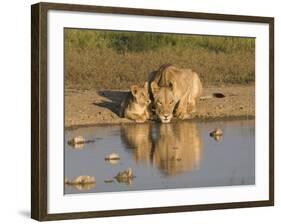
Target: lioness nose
{"type": "Point", "coordinates": [166, 116]}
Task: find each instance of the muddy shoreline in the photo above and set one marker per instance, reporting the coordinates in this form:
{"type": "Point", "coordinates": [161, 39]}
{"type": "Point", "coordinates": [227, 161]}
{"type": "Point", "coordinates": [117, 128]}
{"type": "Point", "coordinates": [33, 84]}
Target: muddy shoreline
{"type": "Point", "coordinates": [195, 119]}
{"type": "Point", "coordinates": [89, 107]}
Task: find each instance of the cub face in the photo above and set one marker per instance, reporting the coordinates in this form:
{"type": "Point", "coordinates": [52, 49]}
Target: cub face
{"type": "Point", "coordinates": [141, 95]}
{"type": "Point", "coordinates": [164, 102]}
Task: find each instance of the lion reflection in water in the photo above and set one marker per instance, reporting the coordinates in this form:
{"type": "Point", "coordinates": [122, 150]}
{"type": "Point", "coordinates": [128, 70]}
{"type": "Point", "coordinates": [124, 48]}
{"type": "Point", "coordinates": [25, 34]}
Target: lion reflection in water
{"type": "Point", "coordinates": [139, 139]}
{"type": "Point", "coordinates": [173, 148]}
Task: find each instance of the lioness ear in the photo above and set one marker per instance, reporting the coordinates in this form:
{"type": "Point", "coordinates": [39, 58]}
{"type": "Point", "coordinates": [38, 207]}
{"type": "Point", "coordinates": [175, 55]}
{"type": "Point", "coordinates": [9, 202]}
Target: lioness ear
{"type": "Point", "coordinates": [154, 87]}
{"type": "Point", "coordinates": [146, 86]}
{"type": "Point", "coordinates": [134, 89]}
{"type": "Point", "coordinates": [171, 85]}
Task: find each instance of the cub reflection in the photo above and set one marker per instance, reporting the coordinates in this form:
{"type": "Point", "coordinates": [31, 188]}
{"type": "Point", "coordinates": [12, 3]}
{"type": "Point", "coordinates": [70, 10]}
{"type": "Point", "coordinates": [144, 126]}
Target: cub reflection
{"type": "Point", "coordinates": [139, 139]}
{"type": "Point", "coordinates": [173, 148]}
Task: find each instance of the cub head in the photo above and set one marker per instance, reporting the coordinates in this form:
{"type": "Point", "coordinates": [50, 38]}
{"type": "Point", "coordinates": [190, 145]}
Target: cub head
{"type": "Point", "coordinates": [164, 101]}
{"type": "Point", "coordinates": [140, 94]}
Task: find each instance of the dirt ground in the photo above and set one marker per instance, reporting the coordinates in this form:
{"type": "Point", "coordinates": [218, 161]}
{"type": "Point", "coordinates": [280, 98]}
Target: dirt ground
{"type": "Point", "coordinates": [101, 107]}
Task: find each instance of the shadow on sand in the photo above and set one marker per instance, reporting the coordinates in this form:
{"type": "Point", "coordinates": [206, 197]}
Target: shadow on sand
{"type": "Point", "coordinates": [112, 101]}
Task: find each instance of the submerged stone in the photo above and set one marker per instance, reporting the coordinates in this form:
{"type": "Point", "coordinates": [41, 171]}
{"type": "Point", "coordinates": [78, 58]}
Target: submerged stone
{"type": "Point", "coordinates": [125, 176]}
{"type": "Point", "coordinates": [108, 181]}
{"type": "Point", "coordinates": [216, 132]}
{"type": "Point", "coordinates": [82, 182]}
{"type": "Point", "coordinates": [76, 140]}
{"type": "Point", "coordinates": [112, 156]}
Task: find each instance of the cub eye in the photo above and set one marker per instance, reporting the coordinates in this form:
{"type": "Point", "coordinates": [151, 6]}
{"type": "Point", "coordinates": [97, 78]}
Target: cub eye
{"type": "Point", "coordinates": [158, 102]}
{"type": "Point", "coordinates": [172, 102]}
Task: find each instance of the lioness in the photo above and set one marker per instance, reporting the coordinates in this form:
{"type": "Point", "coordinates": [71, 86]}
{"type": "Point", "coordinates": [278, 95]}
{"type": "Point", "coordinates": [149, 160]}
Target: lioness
{"type": "Point", "coordinates": [178, 147]}
{"type": "Point", "coordinates": [174, 88]}
{"type": "Point", "coordinates": [136, 103]}
{"type": "Point", "coordinates": [173, 148]}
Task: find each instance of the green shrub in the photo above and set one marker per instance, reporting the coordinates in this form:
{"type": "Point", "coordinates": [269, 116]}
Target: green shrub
{"type": "Point", "coordinates": [116, 60]}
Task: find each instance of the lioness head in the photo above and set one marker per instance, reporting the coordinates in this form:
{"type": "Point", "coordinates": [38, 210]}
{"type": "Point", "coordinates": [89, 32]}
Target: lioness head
{"type": "Point", "coordinates": [140, 94]}
{"type": "Point", "coordinates": [164, 102]}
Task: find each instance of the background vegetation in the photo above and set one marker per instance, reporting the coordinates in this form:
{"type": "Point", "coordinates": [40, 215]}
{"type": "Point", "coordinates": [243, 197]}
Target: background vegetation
{"type": "Point", "coordinates": [116, 60]}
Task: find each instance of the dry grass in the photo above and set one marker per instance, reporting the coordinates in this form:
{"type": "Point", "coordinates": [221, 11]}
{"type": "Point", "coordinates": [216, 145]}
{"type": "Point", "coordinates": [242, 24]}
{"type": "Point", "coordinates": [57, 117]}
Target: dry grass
{"type": "Point", "coordinates": [94, 64]}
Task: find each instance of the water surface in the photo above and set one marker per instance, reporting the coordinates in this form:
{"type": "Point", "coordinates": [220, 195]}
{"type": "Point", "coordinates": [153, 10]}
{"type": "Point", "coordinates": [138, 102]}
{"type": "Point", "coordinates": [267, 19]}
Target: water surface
{"type": "Point", "coordinates": [163, 156]}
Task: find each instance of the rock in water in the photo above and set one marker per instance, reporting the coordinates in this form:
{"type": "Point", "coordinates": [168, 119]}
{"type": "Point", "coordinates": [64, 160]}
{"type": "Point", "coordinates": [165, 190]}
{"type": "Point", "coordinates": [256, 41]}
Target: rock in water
{"type": "Point", "coordinates": [125, 176]}
{"type": "Point", "coordinates": [77, 140]}
{"type": "Point", "coordinates": [108, 181]}
{"type": "Point", "coordinates": [78, 146]}
{"type": "Point", "coordinates": [218, 138]}
{"type": "Point", "coordinates": [82, 182]}
{"type": "Point", "coordinates": [84, 187]}
{"type": "Point", "coordinates": [216, 132]}
{"type": "Point", "coordinates": [112, 156]}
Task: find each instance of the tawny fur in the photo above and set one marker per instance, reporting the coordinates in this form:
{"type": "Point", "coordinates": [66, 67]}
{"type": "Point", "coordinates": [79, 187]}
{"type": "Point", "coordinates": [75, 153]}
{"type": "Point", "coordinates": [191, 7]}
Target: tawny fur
{"type": "Point", "coordinates": [174, 92]}
{"type": "Point", "coordinates": [135, 106]}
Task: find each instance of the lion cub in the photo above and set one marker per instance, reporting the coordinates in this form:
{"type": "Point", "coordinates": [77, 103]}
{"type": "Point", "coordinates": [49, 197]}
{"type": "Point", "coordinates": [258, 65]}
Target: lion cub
{"type": "Point", "coordinates": [135, 105]}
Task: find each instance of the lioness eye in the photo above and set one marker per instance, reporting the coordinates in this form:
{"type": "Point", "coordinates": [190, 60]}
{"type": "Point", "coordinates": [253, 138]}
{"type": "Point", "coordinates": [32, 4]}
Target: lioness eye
{"type": "Point", "coordinates": [171, 102]}
{"type": "Point", "coordinates": [159, 102]}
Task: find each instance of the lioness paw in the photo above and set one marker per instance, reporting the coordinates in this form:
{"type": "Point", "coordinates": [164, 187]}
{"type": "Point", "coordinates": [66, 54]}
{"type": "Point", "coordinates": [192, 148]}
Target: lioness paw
{"type": "Point", "coordinates": [140, 120]}
{"type": "Point", "coordinates": [182, 114]}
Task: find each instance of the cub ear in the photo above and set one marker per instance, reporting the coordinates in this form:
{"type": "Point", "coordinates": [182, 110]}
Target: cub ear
{"type": "Point", "coordinates": [146, 86]}
{"type": "Point", "coordinates": [134, 89]}
{"type": "Point", "coordinates": [154, 87]}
